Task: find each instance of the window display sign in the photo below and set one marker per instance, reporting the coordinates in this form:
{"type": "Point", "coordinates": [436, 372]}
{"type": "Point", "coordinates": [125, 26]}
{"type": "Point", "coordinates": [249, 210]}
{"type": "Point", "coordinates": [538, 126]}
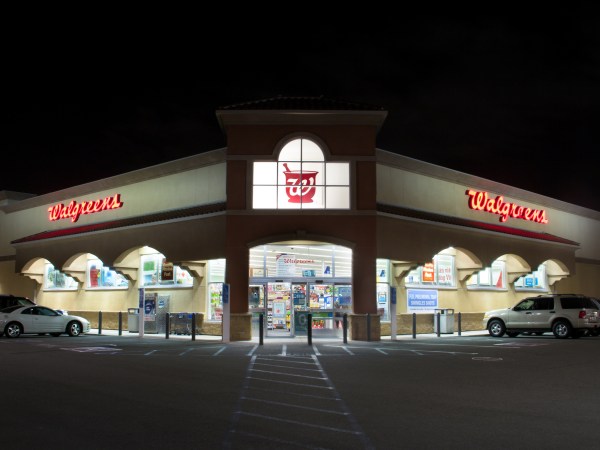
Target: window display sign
{"type": "Point", "coordinates": [101, 277]}
{"type": "Point", "coordinates": [166, 271]}
{"type": "Point", "coordinates": [445, 271]}
{"type": "Point", "coordinates": [428, 273]}
{"type": "Point", "coordinates": [279, 310]}
{"type": "Point", "coordinates": [286, 265]}
{"type": "Point", "coordinates": [422, 299]}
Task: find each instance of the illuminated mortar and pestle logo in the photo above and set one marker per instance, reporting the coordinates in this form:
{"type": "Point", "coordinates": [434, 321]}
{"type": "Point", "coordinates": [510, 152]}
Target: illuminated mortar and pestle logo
{"type": "Point", "coordinates": [301, 184]}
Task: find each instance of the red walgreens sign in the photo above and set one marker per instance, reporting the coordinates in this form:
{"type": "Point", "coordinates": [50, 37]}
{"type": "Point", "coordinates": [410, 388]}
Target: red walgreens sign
{"type": "Point", "coordinates": [73, 210]}
{"type": "Point", "coordinates": [482, 201]}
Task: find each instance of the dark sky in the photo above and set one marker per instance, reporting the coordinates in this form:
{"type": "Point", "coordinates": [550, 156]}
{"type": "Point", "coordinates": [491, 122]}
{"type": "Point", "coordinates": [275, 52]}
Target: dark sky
{"type": "Point", "coordinates": [509, 97]}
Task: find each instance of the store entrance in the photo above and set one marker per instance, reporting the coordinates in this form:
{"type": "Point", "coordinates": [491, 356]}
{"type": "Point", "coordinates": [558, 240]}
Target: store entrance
{"type": "Point", "coordinates": [285, 307]}
{"type": "Point", "coordinates": [291, 280]}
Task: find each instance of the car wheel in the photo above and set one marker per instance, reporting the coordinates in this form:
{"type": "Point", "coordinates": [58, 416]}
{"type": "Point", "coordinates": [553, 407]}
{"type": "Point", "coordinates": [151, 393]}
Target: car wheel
{"type": "Point", "coordinates": [512, 333]}
{"type": "Point", "coordinates": [562, 329]}
{"type": "Point", "coordinates": [74, 328]}
{"type": "Point", "coordinates": [496, 328]}
{"type": "Point", "coordinates": [55, 334]}
{"type": "Point", "coordinates": [13, 330]}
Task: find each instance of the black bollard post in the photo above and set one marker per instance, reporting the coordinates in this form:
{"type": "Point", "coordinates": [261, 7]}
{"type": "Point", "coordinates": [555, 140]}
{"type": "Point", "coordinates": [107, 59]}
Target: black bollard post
{"type": "Point", "coordinates": [167, 325]}
{"type": "Point", "coordinates": [459, 324]}
{"type": "Point", "coordinates": [193, 326]}
{"type": "Point", "coordinates": [309, 329]}
{"type": "Point", "coordinates": [99, 322]}
{"type": "Point", "coordinates": [120, 323]}
{"type": "Point", "coordinates": [437, 328]}
{"type": "Point", "coordinates": [368, 327]}
{"type": "Point", "coordinates": [345, 325]}
{"type": "Point", "coordinates": [414, 325]}
{"type": "Point", "coordinates": [261, 328]}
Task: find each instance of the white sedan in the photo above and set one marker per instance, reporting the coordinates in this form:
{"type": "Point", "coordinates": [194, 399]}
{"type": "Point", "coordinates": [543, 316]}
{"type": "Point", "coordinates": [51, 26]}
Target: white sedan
{"type": "Point", "coordinates": [18, 320]}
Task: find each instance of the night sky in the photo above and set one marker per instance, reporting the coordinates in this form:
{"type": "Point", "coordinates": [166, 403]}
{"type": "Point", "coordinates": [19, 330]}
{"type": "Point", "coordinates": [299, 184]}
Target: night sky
{"type": "Point", "coordinates": [509, 97]}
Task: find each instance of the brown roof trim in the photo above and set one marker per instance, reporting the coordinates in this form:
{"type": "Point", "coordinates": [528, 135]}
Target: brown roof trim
{"type": "Point", "coordinates": [317, 103]}
{"type": "Point", "coordinates": [131, 221]}
{"type": "Point", "coordinates": [439, 218]}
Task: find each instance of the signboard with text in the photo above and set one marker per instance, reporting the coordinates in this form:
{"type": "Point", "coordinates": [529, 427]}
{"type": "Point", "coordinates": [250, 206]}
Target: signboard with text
{"type": "Point", "coordinates": [421, 299]}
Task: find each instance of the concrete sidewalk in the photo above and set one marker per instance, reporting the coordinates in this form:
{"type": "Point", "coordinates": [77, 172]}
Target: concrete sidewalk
{"type": "Point", "coordinates": [266, 339]}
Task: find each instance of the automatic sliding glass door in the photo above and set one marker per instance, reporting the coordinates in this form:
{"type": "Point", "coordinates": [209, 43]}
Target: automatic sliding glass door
{"type": "Point", "coordinates": [279, 309]}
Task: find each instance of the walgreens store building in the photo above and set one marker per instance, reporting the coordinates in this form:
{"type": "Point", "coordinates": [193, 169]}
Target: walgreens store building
{"type": "Point", "coordinates": [299, 214]}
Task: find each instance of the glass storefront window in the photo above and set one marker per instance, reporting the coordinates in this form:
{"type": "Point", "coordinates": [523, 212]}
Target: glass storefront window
{"type": "Point", "coordinates": [215, 309]}
{"type": "Point", "coordinates": [493, 278]}
{"type": "Point", "coordinates": [440, 272]}
{"type": "Point", "coordinates": [216, 278]}
{"type": "Point", "coordinates": [54, 279]}
{"type": "Point", "coordinates": [383, 270]}
{"type": "Point", "coordinates": [383, 298]}
{"type": "Point", "coordinates": [300, 261]}
{"type": "Point", "coordinates": [301, 179]}
{"type": "Point", "coordinates": [383, 288]}
{"type": "Point", "coordinates": [102, 277]}
{"type": "Point", "coordinates": [158, 272]}
{"type": "Point", "coordinates": [534, 281]}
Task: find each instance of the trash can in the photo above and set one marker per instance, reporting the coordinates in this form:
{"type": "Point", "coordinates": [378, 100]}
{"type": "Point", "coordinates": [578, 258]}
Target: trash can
{"type": "Point", "coordinates": [133, 320]}
{"type": "Point", "coordinates": [446, 318]}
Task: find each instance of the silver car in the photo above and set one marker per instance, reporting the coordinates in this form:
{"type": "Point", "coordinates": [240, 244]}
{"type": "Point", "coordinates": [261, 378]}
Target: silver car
{"type": "Point", "coordinates": [18, 320]}
{"type": "Point", "coordinates": [565, 315]}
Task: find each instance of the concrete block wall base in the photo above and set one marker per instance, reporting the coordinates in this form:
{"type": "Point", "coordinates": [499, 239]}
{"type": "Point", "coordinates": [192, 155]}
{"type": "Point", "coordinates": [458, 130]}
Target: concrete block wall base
{"type": "Point", "coordinates": [360, 331]}
{"type": "Point", "coordinates": [425, 323]}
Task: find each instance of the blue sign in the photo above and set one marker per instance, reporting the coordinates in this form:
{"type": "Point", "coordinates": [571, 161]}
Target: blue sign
{"type": "Point", "coordinates": [141, 298]}
{"type": "Point", "coordinates": [422, 299]}
{"type": "Point", "coordinates": [393, 295]}
{"type": "Point", "coordinates": [225, 293]}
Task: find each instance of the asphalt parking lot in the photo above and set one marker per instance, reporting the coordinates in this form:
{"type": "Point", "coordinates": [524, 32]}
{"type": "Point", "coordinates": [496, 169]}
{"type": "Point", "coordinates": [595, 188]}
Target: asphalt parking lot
{"type": "Point", "coordinates": [468, 391]}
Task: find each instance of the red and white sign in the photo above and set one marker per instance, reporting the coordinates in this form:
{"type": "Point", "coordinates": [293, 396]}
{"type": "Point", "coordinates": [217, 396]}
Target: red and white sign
{"type": "Point", "coordinates": [300, 185]}
{"type": "Point", "coordinates": [428, 274]}
{"type": "Point", "coordinates": [73, 210]}
{"type": "Point", "coordinates": [482, 201]}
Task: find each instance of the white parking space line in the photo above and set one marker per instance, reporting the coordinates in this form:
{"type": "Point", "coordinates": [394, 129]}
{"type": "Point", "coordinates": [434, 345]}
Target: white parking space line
{"type": "Point", "coordinates": [347, 350]}
{"type": "Point", "coordinates": [219, 351]}
{"type": "Point", "coordinates": [282, 390]}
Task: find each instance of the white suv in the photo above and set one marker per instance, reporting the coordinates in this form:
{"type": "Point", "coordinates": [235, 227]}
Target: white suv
{"type": "Point", "coordinates": [563, 314]}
